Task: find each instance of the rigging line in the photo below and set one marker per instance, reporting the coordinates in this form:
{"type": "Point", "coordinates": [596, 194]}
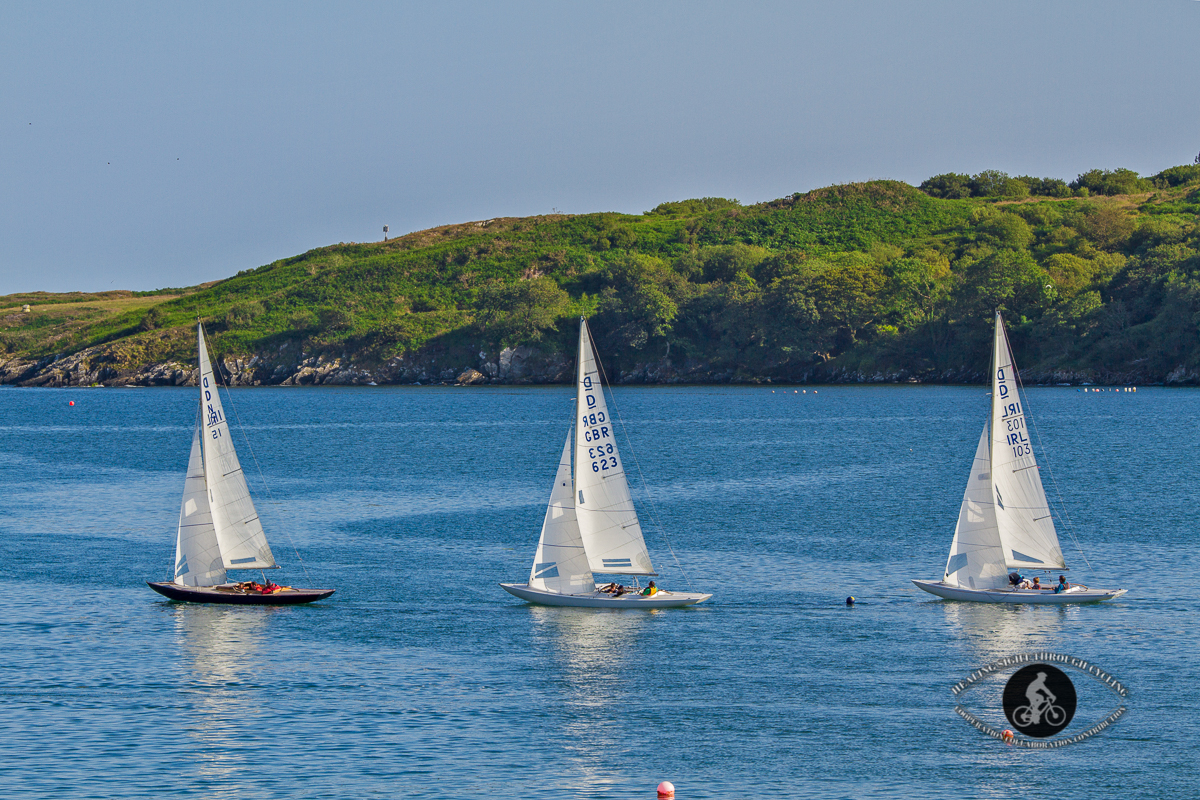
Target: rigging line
{"type": "Point", "coordinates": [1029, 417]}
{"type": "Point", "coordinates": [262, 477]}
{"type": "Point", "coordinates": [645, 486]}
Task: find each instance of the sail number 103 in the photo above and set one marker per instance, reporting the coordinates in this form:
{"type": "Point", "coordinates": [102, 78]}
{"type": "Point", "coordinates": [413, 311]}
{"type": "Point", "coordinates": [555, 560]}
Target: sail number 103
{"type": "Point", "coordinates": [1015, 437]}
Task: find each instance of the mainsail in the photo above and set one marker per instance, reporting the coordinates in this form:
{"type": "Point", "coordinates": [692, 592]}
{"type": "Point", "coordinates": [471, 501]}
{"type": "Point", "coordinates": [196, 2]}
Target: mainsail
{"type": "Point", "coordinates": [608, 523]}
{"type": "Point", "coordinates": [197, 553]}
{"type": "Point", "coordinates": [561, 565]}
{"type": "Point", "coordinates": [976, 556]}
{"type": "Point", "coordinates": [1022, 513]}
{"type": "Point", "coordinates": [239, 532]}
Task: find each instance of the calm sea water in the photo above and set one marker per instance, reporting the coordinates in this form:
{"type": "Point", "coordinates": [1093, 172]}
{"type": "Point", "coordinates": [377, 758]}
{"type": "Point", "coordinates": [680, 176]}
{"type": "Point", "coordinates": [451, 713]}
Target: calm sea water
{"type": "Point", "coordinates": [422, 678]}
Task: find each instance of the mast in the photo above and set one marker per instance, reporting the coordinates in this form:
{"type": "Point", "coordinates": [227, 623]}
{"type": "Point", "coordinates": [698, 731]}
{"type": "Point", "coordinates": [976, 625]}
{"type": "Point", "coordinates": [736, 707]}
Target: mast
{"type": "Point", "coordinates": [238, 529]}
{"type": "Point", "coordinates": [608, 521]}
{"type": "Point", "coordinates": [1022, 514]}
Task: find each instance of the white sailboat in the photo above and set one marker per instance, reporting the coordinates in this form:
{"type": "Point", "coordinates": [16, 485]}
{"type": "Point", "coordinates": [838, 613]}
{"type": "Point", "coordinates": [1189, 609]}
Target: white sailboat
{"type": "Point", "coordinates": [591, 524]}
{"type": "Point", "coordinates": [1004, 524]}
{"type": "Point", "coordinates": [219, 528]}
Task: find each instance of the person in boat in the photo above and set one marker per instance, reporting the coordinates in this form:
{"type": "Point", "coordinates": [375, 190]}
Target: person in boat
{"type": "Point", "coordinates": [1062, 584]}
{"type": "Point", "coordinates": [614, 588]}
{"type": "Point", "coordinates": [1014, 578]}
{"type": "Point", "coordinates": [650, 590]}
{"type": "Point", "coordinates": [1037, 584]}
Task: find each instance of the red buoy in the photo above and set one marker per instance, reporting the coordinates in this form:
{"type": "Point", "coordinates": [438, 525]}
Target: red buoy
{"type": "Point", "coordinates": [666, 789]}
{"type": "Point", "coordinates": [71, 403]}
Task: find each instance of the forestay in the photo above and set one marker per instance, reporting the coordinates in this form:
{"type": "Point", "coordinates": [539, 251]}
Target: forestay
{"type": "Point", "coordinates": [608, 523]}
{"type": "Point", "coordinates": [1022, 513]}
{"type": "Point", "coordinates": [239, 531]}
{"type": "Point", "coordinates": [197, 553]}
{"type": "Point", "coordinates": [561, 564]}
{"type": "Point", "coordinates": [976, 556]}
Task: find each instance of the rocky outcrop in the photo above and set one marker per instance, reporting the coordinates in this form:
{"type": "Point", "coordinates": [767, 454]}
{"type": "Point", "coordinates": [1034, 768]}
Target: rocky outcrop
{"type": "Point", "coordinates": [290, 365]}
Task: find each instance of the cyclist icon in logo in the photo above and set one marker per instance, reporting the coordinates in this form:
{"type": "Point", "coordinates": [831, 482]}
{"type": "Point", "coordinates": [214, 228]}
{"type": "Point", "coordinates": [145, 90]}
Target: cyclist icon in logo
{"type": "Point", "coordinates": [1039, 700]}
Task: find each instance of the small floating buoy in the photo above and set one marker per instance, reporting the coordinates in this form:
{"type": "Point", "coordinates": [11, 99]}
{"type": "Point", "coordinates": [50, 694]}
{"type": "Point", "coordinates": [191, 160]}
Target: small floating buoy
{"type": "Point", "coordinates": [1007, 736]}
{"type": "Point", "coordinates": [849, 601]}
{"type": "Point", "coordinates": [71, 403]}
{"type": "Point", "coordinates": [666, 789]}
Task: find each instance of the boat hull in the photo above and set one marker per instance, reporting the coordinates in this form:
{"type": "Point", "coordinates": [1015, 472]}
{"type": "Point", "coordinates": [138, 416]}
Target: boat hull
{"type": "Point", "coordinates": [663, 599]}
{"type": "Point", "coordinates": [1024, 596]}
{"type": "Point", "coordinates": [215, 594]}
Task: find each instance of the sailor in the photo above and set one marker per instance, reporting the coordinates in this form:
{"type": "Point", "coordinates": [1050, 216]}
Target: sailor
{"type": "Point", "coordinates": [650, 590]}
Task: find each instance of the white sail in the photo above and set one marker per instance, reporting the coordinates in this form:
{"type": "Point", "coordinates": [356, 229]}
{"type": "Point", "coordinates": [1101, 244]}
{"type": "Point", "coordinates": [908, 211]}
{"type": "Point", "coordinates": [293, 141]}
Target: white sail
{"type": "Point", "coordinates": [1022, 513]}
{"type": "Point", "coordinates": [976, 557]}
{"type": "Point", "coordinates": [604, 508]}
{"type": "Point", "coordinates": [239, 531]}
{"type": "Point", "coordinates": [197, 553]}
{"type": "Point", "coordinates": [561, 564]}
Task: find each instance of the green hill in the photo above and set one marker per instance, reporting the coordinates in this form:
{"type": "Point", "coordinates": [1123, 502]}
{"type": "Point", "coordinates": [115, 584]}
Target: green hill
{"type": "Point", "coordinates": [1099, 280]}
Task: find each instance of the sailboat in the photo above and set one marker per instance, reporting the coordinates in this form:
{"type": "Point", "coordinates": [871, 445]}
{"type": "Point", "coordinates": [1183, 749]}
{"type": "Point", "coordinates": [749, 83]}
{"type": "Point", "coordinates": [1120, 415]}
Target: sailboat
{"type": "Point", "coordinates": [219, 528]}
{"type": "Point", "coordinates": [591, 524]}
{"type": "Point", "coordinates": [1004, 523]}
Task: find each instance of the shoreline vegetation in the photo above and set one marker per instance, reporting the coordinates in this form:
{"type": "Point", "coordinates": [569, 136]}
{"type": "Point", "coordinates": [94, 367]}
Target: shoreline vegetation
{"type": "Point", "coordinates": [882, 282]}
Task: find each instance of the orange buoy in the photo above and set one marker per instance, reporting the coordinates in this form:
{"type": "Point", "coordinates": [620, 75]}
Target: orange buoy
{"type": "Point", "coordinates": [666, 789]}
{"type": "Point", "coordinates": [71, 403]}
{"type": "Point", "coordinates": [1007, 735]}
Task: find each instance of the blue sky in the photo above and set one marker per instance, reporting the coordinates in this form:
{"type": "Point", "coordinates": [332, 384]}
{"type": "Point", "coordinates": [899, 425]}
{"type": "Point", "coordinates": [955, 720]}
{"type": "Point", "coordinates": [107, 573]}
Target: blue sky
{"type": "Point", "coordinates": [146, 145]}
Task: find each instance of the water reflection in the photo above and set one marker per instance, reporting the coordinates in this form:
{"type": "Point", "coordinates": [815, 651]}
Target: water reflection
{"type": "Point", "coordinates": [590, 651]}
{"type": "Point", "coordinates": [988, 631]}
{"type": "Point", "coordinates": [221, 647]}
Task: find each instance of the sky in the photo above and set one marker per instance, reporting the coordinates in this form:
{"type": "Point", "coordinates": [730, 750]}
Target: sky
{"type": "Point", "coordinates": [154, 145]}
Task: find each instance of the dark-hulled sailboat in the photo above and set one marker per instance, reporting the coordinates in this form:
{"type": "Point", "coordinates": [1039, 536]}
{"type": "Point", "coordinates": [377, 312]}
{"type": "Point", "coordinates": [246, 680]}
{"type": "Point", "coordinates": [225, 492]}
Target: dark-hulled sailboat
{"type": "Point", "coordinates": [219, 528]}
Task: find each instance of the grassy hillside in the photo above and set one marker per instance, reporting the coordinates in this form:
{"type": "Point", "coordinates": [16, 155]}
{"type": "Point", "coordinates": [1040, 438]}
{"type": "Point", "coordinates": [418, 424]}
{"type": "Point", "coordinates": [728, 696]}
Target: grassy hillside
{"type": "Point", "coordinates": [867, 278]}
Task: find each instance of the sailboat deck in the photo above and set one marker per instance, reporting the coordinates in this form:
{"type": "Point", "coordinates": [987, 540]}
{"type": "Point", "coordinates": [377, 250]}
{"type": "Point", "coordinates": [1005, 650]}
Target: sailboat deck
{"type": "Point", "coordinates": [1023, 596]}
{"type": "Point", "coordinates": [663, 599]}
{"type": "Point", "coordinates": [285, 596]}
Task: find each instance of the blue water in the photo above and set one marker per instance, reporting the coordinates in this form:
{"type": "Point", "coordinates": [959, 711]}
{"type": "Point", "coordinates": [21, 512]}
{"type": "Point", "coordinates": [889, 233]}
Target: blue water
{"type": "Point", "coordinates": [420, 677]}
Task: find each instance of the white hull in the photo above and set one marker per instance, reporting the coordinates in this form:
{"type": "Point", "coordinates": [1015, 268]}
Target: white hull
{"type": "Point", "coordinates": [1006, 595]}
{"type": "Point", "coordinates": [663, 599]}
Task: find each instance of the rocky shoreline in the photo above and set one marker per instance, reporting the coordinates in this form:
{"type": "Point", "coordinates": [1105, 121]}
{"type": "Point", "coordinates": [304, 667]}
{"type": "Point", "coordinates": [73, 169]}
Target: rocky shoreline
{"type": "Point", "coordinates": [511, 366]}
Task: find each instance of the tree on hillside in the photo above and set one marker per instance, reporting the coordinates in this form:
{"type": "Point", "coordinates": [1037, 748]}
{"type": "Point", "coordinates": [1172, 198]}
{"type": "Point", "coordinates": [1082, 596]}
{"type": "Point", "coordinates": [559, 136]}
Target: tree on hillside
{"type": "Point", "coordinates": [1110, 182]}
{"type": "Point", "coordinates": [1108, 227]}
{"type": "Point", "coordinates": [989, 183]}
{"type": "Point", "coordinates": [950, 186]}
{"type": "Point", "coordinates": [512, 313]}
{"type": "Point", "coordinates": [639, 303]}
{"type": "Point", "coordinates": [1005, 230]}
{"type": "Point", "coordinates": [849, 296]}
